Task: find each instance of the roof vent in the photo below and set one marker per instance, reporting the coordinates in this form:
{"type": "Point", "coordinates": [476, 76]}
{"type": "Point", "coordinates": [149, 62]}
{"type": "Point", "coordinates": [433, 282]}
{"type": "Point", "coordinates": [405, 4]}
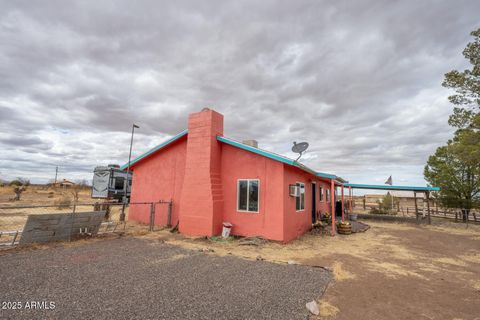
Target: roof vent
{"type": "Point", "coordinates": [251, 143]}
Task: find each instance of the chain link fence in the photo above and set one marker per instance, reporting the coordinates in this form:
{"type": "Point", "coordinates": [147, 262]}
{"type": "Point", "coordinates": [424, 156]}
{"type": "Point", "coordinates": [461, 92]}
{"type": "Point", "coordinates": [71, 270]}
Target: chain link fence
{"type": "Point", "coordinates": [118, 218]}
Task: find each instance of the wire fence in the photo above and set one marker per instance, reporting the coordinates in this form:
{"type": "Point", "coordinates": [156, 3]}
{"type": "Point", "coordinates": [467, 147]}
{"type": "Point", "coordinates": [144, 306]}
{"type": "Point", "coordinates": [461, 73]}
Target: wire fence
{"type": "Point", "coordinates": [409, 211]}
{"type": "Point", "coordinates": [67, 219]}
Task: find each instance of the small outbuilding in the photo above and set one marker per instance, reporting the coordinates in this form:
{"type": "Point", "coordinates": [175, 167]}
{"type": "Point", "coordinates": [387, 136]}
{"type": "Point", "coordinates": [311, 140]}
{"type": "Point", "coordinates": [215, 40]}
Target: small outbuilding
{"type": "Point", "coordinates": [63, 184]}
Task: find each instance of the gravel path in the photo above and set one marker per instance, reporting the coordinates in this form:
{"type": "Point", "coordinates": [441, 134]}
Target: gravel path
{"type": "Point", "coordinates": [132, 278]}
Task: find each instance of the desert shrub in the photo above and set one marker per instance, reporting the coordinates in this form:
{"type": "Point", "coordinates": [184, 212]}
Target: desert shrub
{"type": "Point", "coordinates": [379, 210]}
{"type": "Point", "coordinates": [19, 182]}
{"type": "Point", "coordinates": [386, 205]}
{"type": "Point", "coordinates": [15, 183]}
{"type": "Point", "coordinates": [63, 202]}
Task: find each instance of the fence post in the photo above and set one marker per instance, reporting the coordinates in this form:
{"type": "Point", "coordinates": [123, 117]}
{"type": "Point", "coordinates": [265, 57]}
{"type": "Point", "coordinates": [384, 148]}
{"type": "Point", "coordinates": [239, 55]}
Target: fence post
{"type": "Point", "coordinates": [416, 206]}
{"type": "Point", "coordinates": [122, 215]}
{"type": "Point", "coordinates": [71, 221]}
{"type": "Point", "coordinates": [428, 206]}
{"type": "Point", "coordinates": [169, 216]}
{"type": "Point", "coordinates": [152, 215]}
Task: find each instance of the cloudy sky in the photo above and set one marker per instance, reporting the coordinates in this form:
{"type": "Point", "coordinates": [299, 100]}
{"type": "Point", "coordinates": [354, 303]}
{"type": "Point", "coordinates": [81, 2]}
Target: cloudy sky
{"type": "Point", "coordinates": [359, 80]}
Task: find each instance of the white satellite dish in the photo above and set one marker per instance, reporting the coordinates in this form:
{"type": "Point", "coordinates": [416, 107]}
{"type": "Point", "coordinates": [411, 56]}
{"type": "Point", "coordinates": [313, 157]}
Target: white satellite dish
{"type": "Point", "coordinates": [299, 148]}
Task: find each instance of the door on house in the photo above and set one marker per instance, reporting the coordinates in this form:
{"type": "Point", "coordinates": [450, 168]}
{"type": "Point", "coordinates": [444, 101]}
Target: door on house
{"type": "Point", "coordinates": [314, 203]}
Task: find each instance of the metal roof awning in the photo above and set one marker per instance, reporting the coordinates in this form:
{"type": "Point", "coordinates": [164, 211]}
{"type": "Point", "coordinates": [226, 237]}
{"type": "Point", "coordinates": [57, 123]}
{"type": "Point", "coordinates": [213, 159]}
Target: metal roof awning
{"type": "Point", "coordinates": [389, 187]}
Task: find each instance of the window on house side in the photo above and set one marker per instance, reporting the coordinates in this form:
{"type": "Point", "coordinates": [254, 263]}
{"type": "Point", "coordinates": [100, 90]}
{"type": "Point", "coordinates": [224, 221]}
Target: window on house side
{"type": "Point", "coordinates": [300, 200]}
{"type": "Point", "coordinates": [320, 189]}
{"type": "Point", "coordinates": [327, 195]}
{"type": "Point", "coordinates": [248, 195]}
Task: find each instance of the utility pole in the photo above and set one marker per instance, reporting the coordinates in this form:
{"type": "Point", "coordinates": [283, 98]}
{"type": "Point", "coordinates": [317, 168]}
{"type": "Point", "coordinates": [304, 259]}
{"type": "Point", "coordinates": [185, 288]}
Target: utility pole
{"type": "Point", "coordinates": [56, 174]}
{"type": "Point", "coordinates": [126, 181]}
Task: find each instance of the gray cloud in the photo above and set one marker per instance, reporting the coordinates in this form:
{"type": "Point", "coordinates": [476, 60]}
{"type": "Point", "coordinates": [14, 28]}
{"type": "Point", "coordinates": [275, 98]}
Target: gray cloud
{"type": "Point", "coordinates": [359, 80]}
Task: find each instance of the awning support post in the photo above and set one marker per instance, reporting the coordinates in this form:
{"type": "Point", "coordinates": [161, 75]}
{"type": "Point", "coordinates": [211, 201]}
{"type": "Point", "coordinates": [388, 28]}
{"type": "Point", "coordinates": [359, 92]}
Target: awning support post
{"type": "Point", "coordinates": [343, 206]}
{"type": "Point", "coordinates": [351, 196]}
{"type": "Point", "coordinates": [332, 203]}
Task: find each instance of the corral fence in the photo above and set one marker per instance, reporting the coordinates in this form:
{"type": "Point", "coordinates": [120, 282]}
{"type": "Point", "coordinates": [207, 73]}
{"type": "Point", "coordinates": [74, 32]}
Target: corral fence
{"type": "Point", "coordinates": [22, 224]}
{"type": "Point", "coordinates": [451, 214]}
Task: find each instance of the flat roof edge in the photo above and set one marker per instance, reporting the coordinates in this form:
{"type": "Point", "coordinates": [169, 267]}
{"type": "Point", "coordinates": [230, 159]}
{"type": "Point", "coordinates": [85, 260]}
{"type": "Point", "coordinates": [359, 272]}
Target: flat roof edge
{"type": "Point", "coordinates": [258, 151]}
{"type": "Point", "coordinates": [388, 187]}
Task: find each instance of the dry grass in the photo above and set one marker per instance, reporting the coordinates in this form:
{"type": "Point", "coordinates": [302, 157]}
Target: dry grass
{"type": "Point", "coordinates": [451, 261]}
{"type": "Point", "coordinates": [12, 218]}
{"type": "Point", "coordinates": [340, 273]}
{"type": "Point", "coordinates": [379, 249]}
{"type": "Point", "coordinates": [476, 284]}
{"type": "Point", "coordinates": [41, 195]}
{"type": "Point", "coordinates": [473, 257]}
{"type": "Point", "coordinates": [327, 309]}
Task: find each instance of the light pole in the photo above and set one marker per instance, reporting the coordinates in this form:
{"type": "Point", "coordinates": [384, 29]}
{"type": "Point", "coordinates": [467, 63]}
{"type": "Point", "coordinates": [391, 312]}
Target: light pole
{"type": "Point", "coordinates": [125, 182]}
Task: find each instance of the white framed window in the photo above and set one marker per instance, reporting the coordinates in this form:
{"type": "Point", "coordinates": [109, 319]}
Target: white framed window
{"type": "Point", "coordinates": [248, 195]}
{"type": "Point", "coordinates": [300, 200]}
{"type": "Point", "coordinates": [327, 195]}
{"type": "Point", "coordinates": [320, 191]}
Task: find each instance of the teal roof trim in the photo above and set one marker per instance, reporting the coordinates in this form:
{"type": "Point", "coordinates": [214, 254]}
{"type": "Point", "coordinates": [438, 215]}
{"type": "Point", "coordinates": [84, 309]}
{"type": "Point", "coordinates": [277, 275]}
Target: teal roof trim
{"type": "Point", "coordinates": [326, 175]}
{"type": "Point", "coordinates": [160, 146]}
{"type": "Point", "coordinates": [261, 152]}
{"type": "Point", "coordinates": [388, 187]}
{"type": "Point", "coordinates": [274, 156]}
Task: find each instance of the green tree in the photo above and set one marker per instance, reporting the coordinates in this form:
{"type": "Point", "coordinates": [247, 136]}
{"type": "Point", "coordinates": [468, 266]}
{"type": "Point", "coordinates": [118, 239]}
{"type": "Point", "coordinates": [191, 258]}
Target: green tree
{"type": "Point", "coordinates": [455, 168]}
{"type": "Point", "coordinates": [387, 205]}
{"type": "Point", "coordinates": [466, 84]}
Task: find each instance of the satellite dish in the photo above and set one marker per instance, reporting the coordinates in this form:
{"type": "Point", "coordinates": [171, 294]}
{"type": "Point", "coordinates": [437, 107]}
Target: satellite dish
{"type": "Point", "coordinates": [299, 148]}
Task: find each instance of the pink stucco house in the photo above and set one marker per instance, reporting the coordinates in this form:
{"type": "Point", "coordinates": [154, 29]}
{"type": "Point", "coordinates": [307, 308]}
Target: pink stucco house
{"type": "Point", "coordinates": [212, 179]}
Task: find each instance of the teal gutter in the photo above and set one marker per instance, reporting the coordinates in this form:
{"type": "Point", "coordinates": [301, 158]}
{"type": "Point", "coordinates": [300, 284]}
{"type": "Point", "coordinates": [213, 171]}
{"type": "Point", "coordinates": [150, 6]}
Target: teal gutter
{"type": "Point", "coordinates": [160, 146]}
{"type": "Point", "coordinates": [275, 157]}
{"type": "Point", "coordinates": [388, 187]}
{"type": "Point", "coordinates": [326, 175]}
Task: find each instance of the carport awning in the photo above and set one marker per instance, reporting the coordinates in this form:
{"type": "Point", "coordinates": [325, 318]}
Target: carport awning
{"type": "Point", "coordinates": [389, 187]}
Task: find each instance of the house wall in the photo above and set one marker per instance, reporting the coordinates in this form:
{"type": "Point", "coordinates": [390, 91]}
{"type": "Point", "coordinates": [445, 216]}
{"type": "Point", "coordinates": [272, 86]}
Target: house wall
{"type": "Point", "coordinates": [323, 205]}
{"type": "Point", "coordinates": [299, 222]}
{"type": "Point", "coordinates": [241, 164]}
{"type": "Point", "coordinates": [159, 177]}
{"type": "Point", "coordinates": [296, 222]}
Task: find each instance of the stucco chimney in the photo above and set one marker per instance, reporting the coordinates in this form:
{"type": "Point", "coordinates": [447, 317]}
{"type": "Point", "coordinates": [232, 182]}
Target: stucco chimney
{"type": "Point", "coordinates": [251, 143]}
{"type": "Point", "coordinates": [201, 203]}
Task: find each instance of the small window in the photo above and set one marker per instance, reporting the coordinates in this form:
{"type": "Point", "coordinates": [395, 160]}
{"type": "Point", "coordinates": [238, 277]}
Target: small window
{"type": "Point", "coordinates": [320, 190]}
{"type": "Point", "coordinates": [248, 195]}
{"type": "Point", "coordinates": [119, 181]}
{"type": "Point", "coordinates": [300, 200]}
{"type": "Point", "coordinates": [327, 195]}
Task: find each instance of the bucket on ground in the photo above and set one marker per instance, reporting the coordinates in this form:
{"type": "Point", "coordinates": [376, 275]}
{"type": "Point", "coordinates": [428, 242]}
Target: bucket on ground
{"type": "Point", "coordinates": [227, 227]}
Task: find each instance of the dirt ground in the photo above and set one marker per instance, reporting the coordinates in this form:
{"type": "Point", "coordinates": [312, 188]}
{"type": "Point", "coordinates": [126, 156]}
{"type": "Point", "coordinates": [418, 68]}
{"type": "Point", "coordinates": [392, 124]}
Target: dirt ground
{"type": "Point", "coordinates": [392, 271]}
{"type": "Point", "coordinates": [41, 195]}
{"type": "Point", "coordinates": [42, 198]}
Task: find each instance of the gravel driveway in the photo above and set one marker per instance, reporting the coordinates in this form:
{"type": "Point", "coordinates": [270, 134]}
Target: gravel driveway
{"type": "Point", "coordinates": [131, 278]}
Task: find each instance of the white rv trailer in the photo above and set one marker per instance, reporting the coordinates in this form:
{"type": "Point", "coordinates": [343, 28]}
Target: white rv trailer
{"type": "Point", "coordinates": [109, 182]}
